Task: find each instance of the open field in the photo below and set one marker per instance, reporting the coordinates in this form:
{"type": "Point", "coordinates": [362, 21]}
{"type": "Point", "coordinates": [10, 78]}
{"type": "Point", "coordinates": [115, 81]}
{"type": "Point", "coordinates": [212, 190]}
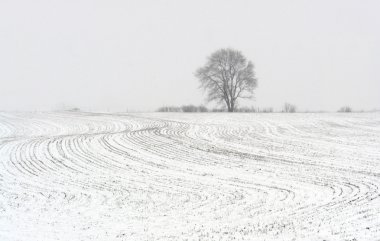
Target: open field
{"type": "Point", "coordinates": [172, 176]}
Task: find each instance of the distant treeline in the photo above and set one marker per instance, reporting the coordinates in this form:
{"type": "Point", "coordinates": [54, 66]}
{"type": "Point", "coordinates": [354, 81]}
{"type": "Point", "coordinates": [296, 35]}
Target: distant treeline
{"type": "Point", "coordinates": [287, 108]}
{"type": "Point", "coordinates": [201, 108]}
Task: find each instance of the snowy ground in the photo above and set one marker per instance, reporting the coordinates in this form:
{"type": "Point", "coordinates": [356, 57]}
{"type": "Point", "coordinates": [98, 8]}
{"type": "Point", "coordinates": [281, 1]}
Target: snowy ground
{"type": "Point", "coordinates": [214, 176]}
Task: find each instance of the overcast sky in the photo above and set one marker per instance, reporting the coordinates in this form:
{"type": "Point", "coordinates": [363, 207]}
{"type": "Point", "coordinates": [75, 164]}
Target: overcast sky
{"type": "Point", "coordinates": [139, 55]}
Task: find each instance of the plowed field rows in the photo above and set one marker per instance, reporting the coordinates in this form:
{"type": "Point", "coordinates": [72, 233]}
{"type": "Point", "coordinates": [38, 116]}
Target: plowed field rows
{"type": "Point", "coordinates": [214, 176]}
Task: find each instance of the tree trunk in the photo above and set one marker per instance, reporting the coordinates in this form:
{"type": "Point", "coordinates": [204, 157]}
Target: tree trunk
{"type": "Point", "coordinates": [232, 106]}
{"type": "Point", "coordinates": [228, 104]}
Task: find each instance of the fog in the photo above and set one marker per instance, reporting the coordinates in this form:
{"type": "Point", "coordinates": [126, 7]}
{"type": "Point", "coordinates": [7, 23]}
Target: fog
{"type": "Point", "coordinates": [140, 55]}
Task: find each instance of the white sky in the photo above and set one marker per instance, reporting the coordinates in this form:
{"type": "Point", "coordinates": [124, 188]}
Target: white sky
{"type": "Point", "coordinates": [139, 55]}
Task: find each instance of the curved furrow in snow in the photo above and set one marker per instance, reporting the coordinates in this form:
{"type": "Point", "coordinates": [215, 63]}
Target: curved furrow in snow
{"type": "Point", "coordinates": [214, 176]}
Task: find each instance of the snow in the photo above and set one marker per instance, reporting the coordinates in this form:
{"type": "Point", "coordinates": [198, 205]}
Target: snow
{"type": "Point", "coordinates": [182, 176]}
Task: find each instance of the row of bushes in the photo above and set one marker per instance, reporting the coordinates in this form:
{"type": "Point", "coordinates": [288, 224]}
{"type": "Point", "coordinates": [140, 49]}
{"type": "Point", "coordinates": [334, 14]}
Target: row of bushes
{"type": "Point", "coordinates": [201, 108]}
{"type": "Point", "coordinates": [185, 108]}
{"type": "Point", "coordinates": [287, 108]}
{"type": "Point", "coordinates": [255, 110]}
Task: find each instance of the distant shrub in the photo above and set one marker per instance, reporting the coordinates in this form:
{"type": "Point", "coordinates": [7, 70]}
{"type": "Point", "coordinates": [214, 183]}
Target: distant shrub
{"type": "Point", "coordinates": [218, 110]}
{"type": "Point", "coordinates": [184, 108]}
{"type": "Point", "coordinates": [189, 108]}
{"type": "Point", "coordinates": [267, 110]}
{"type": "Point", "coordinates": [345, 109]}
{"type": "Point", "coordinates": [246, 109]}
{"type": "Point", "coordinates": [193, 108]}
{"type": "Point", "coordinates": [75, 109]}
{"type": "Point", "coordinates": [253, 110]}
{"type": "Point", "coordinates": [202, 108]}
{"type": "Point", "coordinates": [289, 108]}
{"type": "Point", "coordinates": [169, 109]}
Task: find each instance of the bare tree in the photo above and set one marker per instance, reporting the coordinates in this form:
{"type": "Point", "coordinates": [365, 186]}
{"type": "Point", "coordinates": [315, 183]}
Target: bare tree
{"type": "Point", "coordinates": [226, 77]}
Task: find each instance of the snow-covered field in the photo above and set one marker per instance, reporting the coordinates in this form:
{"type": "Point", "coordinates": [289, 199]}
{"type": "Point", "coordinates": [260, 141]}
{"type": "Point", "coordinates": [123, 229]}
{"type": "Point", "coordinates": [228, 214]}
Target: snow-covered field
{"type": "Point", "coordinates": [215, 176]}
